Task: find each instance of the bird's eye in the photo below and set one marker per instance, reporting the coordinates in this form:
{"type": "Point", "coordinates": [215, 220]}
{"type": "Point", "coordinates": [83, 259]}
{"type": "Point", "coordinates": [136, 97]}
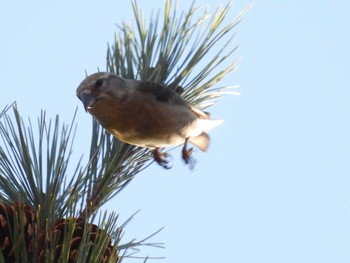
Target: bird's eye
{"type": "Point", "coordinates": [98, 83]}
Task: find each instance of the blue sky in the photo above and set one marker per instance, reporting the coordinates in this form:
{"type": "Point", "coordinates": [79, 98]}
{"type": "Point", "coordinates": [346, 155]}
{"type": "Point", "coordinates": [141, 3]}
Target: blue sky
{"type": "Point", "coordinates": [274, 185]}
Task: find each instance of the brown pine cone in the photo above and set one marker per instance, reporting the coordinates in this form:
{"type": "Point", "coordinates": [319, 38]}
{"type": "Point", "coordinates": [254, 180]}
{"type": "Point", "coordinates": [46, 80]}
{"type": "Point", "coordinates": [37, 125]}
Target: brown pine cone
{"type": "Point", "coordinates": [17, 226]}
{"type": "Point", "coordinates": [54, 241]}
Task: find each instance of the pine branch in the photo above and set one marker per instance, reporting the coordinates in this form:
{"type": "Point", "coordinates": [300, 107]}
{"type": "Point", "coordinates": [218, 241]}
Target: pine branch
{"type": "Point", "coordinates": [54, 197]}
{"type": "Point", "coordinates": [167, 51]}
{"type": "Point", "coordinates": [112, 166]}
{"type": "Point", "coordinates": [170, 53]}
{"type": "Point", "coordinates": [23, 177]}
{"type": "Point", "coordinates": [6, 108]}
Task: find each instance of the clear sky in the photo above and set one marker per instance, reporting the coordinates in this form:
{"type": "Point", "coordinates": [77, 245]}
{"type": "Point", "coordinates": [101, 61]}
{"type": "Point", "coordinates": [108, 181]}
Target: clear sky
{"type": "Point", "coordinates": [275, 184]}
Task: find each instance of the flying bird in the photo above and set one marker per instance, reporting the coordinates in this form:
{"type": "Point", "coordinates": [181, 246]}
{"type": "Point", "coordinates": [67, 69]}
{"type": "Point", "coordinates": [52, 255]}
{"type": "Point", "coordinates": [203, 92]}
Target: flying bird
{"type": "Point", "coordinates": [145, 114]}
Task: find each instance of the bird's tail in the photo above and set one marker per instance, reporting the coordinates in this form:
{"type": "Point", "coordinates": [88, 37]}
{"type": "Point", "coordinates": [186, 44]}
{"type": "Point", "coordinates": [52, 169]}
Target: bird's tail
{"type": "Point", "coordinates": [202, 127]}
{"type": "Point", "coordinates": [201, 141]}
{"type": "Point", "coordinates": [208, 124]}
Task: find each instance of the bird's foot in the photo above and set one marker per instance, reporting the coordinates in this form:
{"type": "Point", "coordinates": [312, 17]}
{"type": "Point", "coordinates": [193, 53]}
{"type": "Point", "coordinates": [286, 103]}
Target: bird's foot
{"type": "Point", "coordinates": [162, 158]}
{"type": "Point", "coordinates": [186, 156]}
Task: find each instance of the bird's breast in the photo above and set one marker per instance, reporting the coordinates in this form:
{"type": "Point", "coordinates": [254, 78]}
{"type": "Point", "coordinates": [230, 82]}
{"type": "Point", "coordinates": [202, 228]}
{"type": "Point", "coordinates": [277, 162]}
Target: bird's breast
{"type": "Point", "coordinates": [144, 122]}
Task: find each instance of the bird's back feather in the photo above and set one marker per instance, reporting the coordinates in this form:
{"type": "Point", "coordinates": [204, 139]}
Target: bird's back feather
{"type": "Point", "coordinates": [161, 93]}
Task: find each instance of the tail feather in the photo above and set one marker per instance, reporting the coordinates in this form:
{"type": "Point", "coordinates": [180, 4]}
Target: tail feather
{"type": "Point", "coordinates": [201, 141]}
{"type": "Point", "coordinates": [208, 124]}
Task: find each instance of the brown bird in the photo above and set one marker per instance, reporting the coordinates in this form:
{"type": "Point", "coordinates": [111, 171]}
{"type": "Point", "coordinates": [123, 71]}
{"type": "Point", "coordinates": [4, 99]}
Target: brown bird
{"type": "Point", "coordinates": [145, 114]}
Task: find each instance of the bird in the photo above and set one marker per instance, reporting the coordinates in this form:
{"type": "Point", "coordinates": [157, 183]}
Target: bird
{"type": "Point", "coordinates": [146, 114]}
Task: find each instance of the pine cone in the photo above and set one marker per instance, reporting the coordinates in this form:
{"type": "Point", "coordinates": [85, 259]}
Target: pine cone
{"type": "Point", "coordinates": [17, 225]}
{"type": "Point", "coordinates": [56, 241]}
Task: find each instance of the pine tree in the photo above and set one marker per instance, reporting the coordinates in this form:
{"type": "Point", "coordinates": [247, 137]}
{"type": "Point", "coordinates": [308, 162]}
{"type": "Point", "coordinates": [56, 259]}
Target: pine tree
{"type": "Point", "coordinates": [49, 207]}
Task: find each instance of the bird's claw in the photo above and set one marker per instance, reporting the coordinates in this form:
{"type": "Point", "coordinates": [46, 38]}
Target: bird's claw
{"type": "Point", "coordinates": [186, 156]}
{"type": "Point", "coordinates": [162, 158]}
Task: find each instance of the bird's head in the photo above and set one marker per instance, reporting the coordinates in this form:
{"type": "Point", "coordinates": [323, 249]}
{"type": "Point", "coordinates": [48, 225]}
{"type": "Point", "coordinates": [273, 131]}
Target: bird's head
{"type": "Point", "coordinates": [98, 86]}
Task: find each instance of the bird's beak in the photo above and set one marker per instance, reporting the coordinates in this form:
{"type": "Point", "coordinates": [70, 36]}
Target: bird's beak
{"type": "Point", "coordinates": [88, 100]}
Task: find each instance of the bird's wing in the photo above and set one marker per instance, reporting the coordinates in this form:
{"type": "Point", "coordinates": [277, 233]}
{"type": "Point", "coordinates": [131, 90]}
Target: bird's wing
{"type": "Point", "coordinates": [161, 93]}
{"type": "Point", "coordinates": [199, 113]}
{"type": "Point", "coordinates": [165, 94]}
